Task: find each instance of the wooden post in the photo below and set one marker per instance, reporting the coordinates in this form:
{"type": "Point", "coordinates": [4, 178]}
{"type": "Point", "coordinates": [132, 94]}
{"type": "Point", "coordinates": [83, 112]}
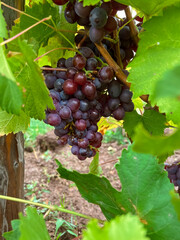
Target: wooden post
{"type": "Point", "coordinates": [11, 157]}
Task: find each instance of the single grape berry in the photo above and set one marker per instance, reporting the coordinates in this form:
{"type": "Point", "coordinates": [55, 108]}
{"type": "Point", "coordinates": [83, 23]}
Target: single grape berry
{"type": "Point", "coordinates": [113, 103]}
{"type": "Point", "coordinates": [107, 6]}
{"type": "Point", "coordinates": [91, 64]}
{"type": "Point", "coordinates": [82, 11]}
{"type": "Point", "coordinates": [79, 61]}
{"type": "Point", "coordinates": [98, 17]}
{"type": "Point", "coordinates": [106, 74]}
{"type": "Point", "coordinates": [86, 52]}
{"type": "Point", "coordinates": [114, 89]}
{"type": "Point", "coordinates": [96, 35]}
{"type": "Point", "coordinates": [73, 104]}
{"type": "Point", "coordinates": [50, 80]}
{"type": "Point", "coordinates": [60, 2]}
{"type": "Point", "coordinates": [80, 78]}
{"type": "Point", "coordinates": [69, 87]}
{"type": "Point", "coordinates": [128, 107]}
{"type": "Point", "coordinates": [71, 72]}
{"type": "Point", "coordinates": [61, 63]}
{"type": "Point", "coordinates": [125, 33]}
{"type": "Point", "coordinates": [89, 89]}
{"type": "Point", "coordinates": [53, 119]}
{"type": "Point", "coordinates": [119, 113]}
{"type": "Point", "coordinates": [65, 112]}
{"type": "Point", "coordinates": [126, 96]}
{"type": "Point", "coordinates": [111, 24]}
{"type": "Point", "coordinates": [80, 124]}
{"type": "Point", "coordinates": [70, 14]}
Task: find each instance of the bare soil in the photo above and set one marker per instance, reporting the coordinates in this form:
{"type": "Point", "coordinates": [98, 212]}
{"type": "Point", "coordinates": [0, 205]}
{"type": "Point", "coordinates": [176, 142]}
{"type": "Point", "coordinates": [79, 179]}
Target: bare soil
{"type": "Point", "coordinates": [41, 167]}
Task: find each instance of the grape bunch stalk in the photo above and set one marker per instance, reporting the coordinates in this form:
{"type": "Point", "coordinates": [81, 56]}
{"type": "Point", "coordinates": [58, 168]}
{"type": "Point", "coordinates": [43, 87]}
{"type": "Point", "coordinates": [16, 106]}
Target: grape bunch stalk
{"type": "Point", "coordinates": [84, 87]}
{"type": "Point", "coordinates": [174, 173]}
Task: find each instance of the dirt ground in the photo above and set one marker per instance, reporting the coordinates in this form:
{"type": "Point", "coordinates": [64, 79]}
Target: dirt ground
{"type": "Point", "coordinates": [40, 167]}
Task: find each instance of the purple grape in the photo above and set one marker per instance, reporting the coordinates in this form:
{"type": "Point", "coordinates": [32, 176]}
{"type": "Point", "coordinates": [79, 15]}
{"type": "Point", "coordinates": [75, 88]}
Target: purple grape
{"type": "Point", "coordinates": [75, 150]}
{"type": "Point", "coordinates": [65, 112]}
{"type": "Point", "coordinates": [53, 119]}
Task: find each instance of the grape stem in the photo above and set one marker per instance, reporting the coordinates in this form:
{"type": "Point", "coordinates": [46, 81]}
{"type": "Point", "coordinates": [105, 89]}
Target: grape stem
{"type": "Point", "coordinates": [117, 50]}
{"type": "Point", "coordinates": [82, 41]}
{"type": "Point", "coordinates": [51, 207]}
{"type": "Point", "coordinates": [54, 69]}
{"type": "Point", "coordinates": [52, 50]}
{"type": "Point", "coordinates": [118, 71]}
{"type": "Point", "coordinates": [132, 26]}
{"type": "Point", "coordinates": [24, 31]}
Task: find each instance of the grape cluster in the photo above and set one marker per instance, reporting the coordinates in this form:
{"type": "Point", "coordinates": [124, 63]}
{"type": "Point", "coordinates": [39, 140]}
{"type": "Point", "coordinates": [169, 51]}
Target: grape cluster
{"type": "Point", "coordinates": [82, 92]}
{"type": "Point", "coordinates": [174, 173]}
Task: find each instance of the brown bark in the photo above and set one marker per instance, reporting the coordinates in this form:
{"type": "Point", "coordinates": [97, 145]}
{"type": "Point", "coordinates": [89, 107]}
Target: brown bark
{"type": "Point", "coordinates": [11, 155]}
{"type": "Point", "coordinates": [11, 178]}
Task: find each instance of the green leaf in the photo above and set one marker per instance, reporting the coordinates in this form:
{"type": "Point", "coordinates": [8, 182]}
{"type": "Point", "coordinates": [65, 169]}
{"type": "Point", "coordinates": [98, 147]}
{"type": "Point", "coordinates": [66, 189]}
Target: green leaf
{"type": "Point", "coordinates": [13, 123]}
{"type": "Point", "coordinates": [153, 122]}
{"type": "Point", "coordinates": [94, 189]}
{"type": "Point", "coordinates": [161, 146]}
{"type": "Point", "coordinates": [15, 233]}
{"type": "Point", "coordinates": [169, 85]}
{"type": "Point", "coordinates": [176, 202]}
{"type": "Point", "coordinates": [33, 226]}
{"type": "Point", "coordinates": [39, 11]}
{"type": "Point", "coordinates": [146, 187]}
{"type": "Point", "coordinates": [126, 227]}
{"type": "Point", "coordinates": [10, 95]}
{"type": "Point", "coordinates": [37, 97]}
{"type": "Point", "coordinates": [145, 6]}
{"type": "Point", "coordinates": [3, 29]}
{"type": "Point", "coordinates": [145, 192]}
{"type": "Point", "coordinates": [149, 7]}
{"type": "Point", "coordinates": [94, 167]}
{"type": "Point", "coordinates": [158, 51]}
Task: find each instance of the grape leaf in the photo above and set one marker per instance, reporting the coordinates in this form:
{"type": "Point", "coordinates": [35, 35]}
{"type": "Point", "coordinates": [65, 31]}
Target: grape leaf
{"type": "Point", "coordinates": [94, 167]}
{"type": "Point", "coordinates": [31, 226]}
{"type": "Point", "coordinates": [36, 96]}
{"type": "Point", "coordinates": [158, 51]}
{"type": "Point", "coordinates": [10, 95]}
{"type": "Point", "coordinates": [39, 11]}
{"type": "Point", "coordinates": [169, 85]}
{"type": "Point", "coordinates": [3, 29]}
{"type": "Point", "coordinates": [13, 123]}
{"type": "Point", "coordinates": [15, 233]}
{"type": "Point", "coordinates": [146, 186]}
{"type": "Point", "coordinates": [176, 202]}
{"type": "Point", "coordinates": [145, 6]}
{"type": "Point", "coordinates": [145, 192]}
{"type": "Point", "coordinates": [161, 146]}
{"type": "Point", "coordinates": [117, 227]}
{"type": "Point", "coordinates": [153, 122]}
{"type": "Point", "coordinates": [149, 7]}
{"type": "Point", "coordinates": [94, 189]}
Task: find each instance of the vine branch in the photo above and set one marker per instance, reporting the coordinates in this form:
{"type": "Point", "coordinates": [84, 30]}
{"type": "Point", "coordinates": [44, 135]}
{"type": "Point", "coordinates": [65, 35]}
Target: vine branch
{"type": "Point", "coordinates": [52, 50]}
{"type": "Point", "coordinates": [51, 207]}
{"type": "Point", "coordinates": [24, 31]}
{"type": "Point", "coordinates": [132, 26]}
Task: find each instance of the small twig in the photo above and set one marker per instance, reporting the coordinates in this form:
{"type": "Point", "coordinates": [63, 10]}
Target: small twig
{"type": "Point", "coordinates": [35, 154]}
{"type": "Point", "coordinates": [111, 40]}
{"type": "Point", "coordinates": [61, 48]}
{"type": "Point", "coordinates": [132, 26]}
{"type": "Point", "coordinates": [108, 162]}
{"type": "Point", "coordinates": [118, 72]}
{"type": "Point", "coordinates": [82, 41]}
{"type": "Point", "coordinates": [47, 213]}
{"type": "Point", "coordinates": [24, 31]}
{"type": "Point", "coordinates": [117, 50]}
{"type": "Point", "coordinates": [54, 69]}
